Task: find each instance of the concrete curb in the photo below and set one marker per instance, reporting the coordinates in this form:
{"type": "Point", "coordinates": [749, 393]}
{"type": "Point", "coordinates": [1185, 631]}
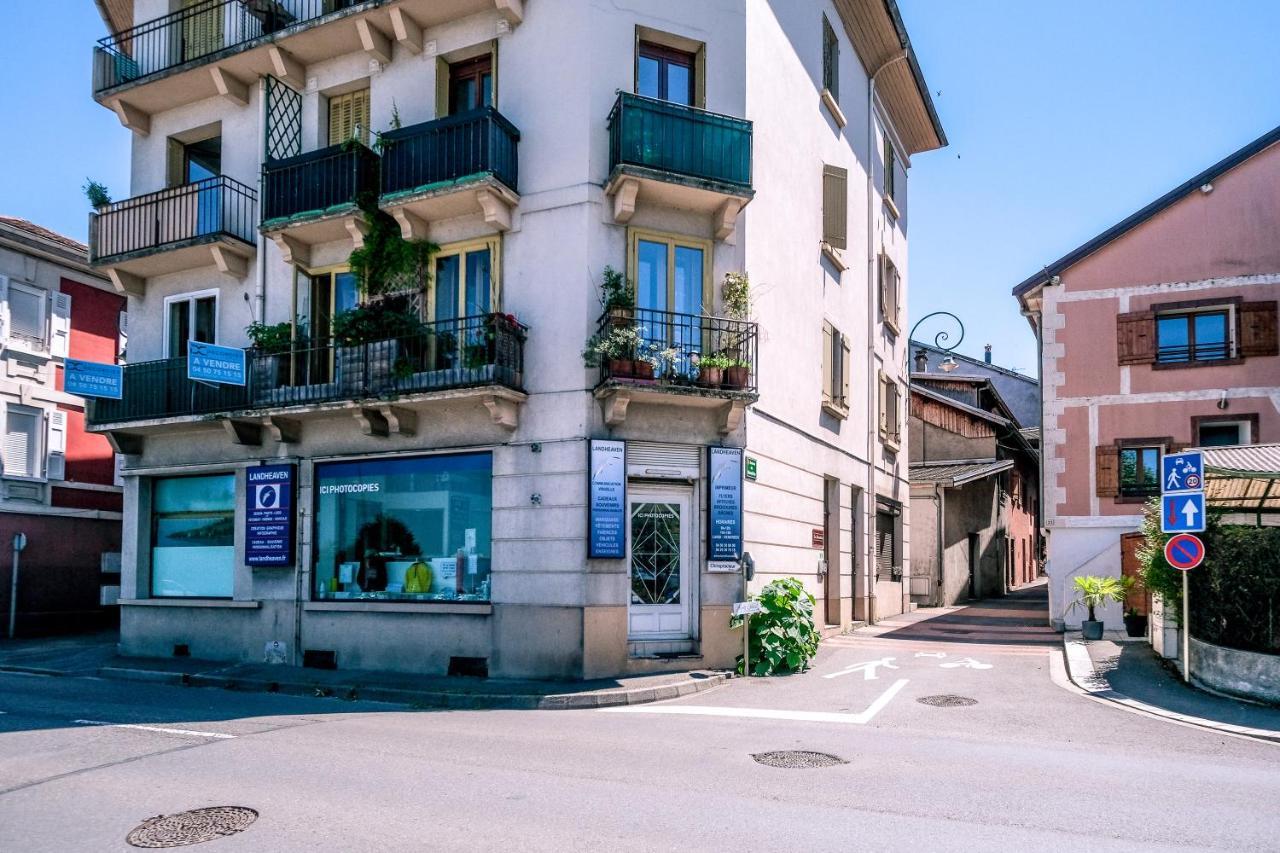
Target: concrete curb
{"type": "Point", "coordinates": [31, 670]}
{"type": "Point", "coordinates": [428, 698]}
{"type": "Point", "coordinates": [1084, 676]}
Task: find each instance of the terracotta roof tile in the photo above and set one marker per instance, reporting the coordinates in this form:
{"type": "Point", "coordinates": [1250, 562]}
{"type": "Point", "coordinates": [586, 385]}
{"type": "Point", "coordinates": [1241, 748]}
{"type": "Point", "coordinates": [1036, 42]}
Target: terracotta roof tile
{"type": "Point", "coordinates": [45, 234]}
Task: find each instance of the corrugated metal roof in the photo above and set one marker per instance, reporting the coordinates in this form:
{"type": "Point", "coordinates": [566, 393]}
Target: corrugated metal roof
{"type": "Point", "coordinates": [1243, 477]}
{"type": "Point", "coordinates": [1247, 460]}
{"type": "Point", "coordinates": [957, 474]}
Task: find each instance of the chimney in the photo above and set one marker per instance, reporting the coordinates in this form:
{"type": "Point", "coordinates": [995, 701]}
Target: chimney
{"type": "Point", "coordinates": [986, 356]}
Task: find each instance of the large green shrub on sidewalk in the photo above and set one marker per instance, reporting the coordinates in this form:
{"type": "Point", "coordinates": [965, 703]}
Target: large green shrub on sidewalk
{"type": "Point", "coordinates": [1235, 592]}
{"type": "Point", "coordinates": [783, 636]}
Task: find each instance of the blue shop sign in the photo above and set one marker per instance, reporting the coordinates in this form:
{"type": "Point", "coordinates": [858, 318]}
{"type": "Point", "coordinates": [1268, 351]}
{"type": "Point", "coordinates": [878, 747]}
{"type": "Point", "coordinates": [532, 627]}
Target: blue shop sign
{"type": "Point", "coordinates": [268, 539]}
{"type": "Point", "coordinates": [212, 363]}
{"type": "Point", "coordinates": [607, 520]}
{"type": "Point", "coordinates": [724, 503]}
{"type": "Point", "coordinates": [93, 379]}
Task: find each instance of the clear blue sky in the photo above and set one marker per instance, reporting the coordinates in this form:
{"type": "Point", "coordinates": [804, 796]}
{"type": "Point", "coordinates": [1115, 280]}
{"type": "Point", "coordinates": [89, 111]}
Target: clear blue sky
{"type": "Point", "coordinates": [1064, 117]}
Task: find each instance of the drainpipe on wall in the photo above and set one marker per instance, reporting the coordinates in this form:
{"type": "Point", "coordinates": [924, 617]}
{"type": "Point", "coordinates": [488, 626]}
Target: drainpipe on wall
{"type": "Point", "coordinates": [260, 301]}
{"type": "Point", "coordinates": [1037, 322]}
{"type": "Point", "coordinates": [873, 384]}
{"type": "Point", "coordinates": [942, 545]}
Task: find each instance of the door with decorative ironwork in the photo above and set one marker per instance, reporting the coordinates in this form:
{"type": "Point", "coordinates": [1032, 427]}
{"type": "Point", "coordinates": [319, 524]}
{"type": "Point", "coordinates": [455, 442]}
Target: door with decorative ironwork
{"type": "Point", "coordinates": [660, 532]}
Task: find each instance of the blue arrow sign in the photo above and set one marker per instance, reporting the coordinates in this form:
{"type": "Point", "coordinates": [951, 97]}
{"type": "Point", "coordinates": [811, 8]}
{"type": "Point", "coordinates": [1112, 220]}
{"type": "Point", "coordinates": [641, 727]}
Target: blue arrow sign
{"type": "Point", "coordinates": [1182, 513]}
{"type": "Point", "coordinates": [1182, 472]}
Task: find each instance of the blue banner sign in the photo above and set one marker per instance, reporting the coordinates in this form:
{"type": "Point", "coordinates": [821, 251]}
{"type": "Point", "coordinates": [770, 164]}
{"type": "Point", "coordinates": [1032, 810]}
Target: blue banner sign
{"type": "Point", "coordinates": [268, 539]}
{"type": "Point", "coordinates": [212, 363]}
{"type": "Point", "coordinates": [92, 379]}
{"type": "Point", "coordinates": [608, 500]}
{"type": "Point", "coordinates": [724, 505]}
{"type": "Point", "coordinates": [1182, 513]}
{"type": "Point", "coordinates": [1182, 472]}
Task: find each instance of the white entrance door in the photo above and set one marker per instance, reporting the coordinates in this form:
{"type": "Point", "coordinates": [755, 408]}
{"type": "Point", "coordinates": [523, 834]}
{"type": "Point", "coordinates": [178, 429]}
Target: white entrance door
{"type": "Point", "coordinates": [660, 532]}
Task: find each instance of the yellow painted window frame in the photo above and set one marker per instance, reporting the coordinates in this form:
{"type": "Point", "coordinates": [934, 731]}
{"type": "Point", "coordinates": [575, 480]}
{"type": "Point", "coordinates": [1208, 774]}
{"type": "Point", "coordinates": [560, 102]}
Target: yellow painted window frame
{"type": "Point", "coordinates": [672, 242]}
{"type": "Point", "coordinates": [346, 112]}
{"type": "Point", "coordinates": [462, 248]}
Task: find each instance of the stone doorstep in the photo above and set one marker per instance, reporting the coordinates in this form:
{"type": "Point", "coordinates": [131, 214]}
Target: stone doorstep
{"type": "Point", "coordinates": [1084, 675]}
{"type": "Point", "coordinates": [685, 686]}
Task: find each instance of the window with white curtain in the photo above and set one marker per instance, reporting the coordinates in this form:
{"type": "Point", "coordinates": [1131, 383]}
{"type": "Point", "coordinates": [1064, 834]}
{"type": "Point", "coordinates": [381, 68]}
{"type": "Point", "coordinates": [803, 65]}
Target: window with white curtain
{"type": "Point", "coordinates": [21, 442]}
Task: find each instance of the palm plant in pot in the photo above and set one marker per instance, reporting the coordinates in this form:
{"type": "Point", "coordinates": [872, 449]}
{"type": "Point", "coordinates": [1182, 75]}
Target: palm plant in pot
{"type": "Point", "coordinates": [1093, 592]}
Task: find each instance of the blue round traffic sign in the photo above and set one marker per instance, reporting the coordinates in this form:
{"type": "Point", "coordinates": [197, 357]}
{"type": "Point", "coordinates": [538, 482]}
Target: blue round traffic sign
{"type": "Point", "coordinates": [1184, 551]}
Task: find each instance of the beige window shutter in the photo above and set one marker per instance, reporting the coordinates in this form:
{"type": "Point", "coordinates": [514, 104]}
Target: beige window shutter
{"type": "Point", "coordinates": [835, 206]}
{"type": "Point", "coordinates": [844, 370]}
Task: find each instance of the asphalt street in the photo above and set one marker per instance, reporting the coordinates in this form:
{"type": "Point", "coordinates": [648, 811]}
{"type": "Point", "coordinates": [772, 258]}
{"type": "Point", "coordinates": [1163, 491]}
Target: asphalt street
{"type": "Point", "coordinates": [83, 761]}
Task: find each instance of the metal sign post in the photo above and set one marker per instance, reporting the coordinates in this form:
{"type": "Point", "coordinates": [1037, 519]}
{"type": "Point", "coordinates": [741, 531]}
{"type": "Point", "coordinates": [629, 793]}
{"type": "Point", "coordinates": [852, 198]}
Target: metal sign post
{"type": "Point", "coordinates": [19, 542]}
{"type": "Point", "coordinates": [745, 609]}
{"type": "Point", "coordinates": [1186, 628]}
{"type": "Point", "coordinates": [1183, 512]}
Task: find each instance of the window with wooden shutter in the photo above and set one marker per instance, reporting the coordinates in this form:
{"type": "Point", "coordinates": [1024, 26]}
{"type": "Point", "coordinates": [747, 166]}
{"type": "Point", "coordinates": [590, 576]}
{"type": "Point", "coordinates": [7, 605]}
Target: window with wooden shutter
{"type": "Point", "coordinates": [835, 371]}
{"type": "Point", "coordinates": [835, 206]}
{"type": "Point", "coordinates": [830, 59]}
{"type": "Point", "coordinates": [887, 567]}
{"type": "Point", "coordinates": [1258, 329]}
{"type": "Point", "coordinates": [1136, 337]}
{"type": "Point", "coordinates": [843, 386]}
{"type": "Point", "coordinates": [893, 425]}
{"type": "Point", "coordinates": [349, 117]}
{"type": "Point", "coordinates": [55, 464]}
{"type": "Point", "coordinates": [1107, 476]}
{"type": "Point", "coordinates": [890, 298]}
{"type": "Point", "coordinates": [890, 169]}
{"type": "Point", "coordinates": [828, 392]}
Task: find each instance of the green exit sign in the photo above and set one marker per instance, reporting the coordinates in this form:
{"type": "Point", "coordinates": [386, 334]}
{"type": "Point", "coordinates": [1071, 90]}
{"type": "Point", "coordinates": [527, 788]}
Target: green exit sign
{"type": "Point", "coordinates": [751, 468]}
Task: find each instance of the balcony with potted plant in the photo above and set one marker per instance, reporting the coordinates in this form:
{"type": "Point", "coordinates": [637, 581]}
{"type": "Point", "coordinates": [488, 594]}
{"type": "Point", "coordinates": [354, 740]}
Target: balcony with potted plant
{"type": "Point", "coordinates": [647, 356]}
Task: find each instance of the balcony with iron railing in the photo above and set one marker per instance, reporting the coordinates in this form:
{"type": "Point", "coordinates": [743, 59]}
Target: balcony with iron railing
{"type": "Point", "coordinates": [165, 62]}
{"type": "Point", "coordinates": [650, 356]}
{"type": "Point", "coordinates": [451, 167]}
{"type": "Point", "coordinates": [205, 223]}
{"type": "Point", "coordinates": [480, 352]}
{"type": "Point", "coordinates": [675, 155]}
{"type": "Point", "coordinates": [315, 197]}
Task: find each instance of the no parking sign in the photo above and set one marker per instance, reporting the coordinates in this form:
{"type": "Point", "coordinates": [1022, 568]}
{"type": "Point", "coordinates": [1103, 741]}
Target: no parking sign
{"type": "Point", "coordinates": [1184, 551]}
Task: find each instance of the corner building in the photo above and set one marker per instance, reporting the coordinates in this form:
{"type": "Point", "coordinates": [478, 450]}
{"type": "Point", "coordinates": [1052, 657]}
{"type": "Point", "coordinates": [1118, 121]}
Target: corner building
{"type": "Point", "coordinates": [441, 504]}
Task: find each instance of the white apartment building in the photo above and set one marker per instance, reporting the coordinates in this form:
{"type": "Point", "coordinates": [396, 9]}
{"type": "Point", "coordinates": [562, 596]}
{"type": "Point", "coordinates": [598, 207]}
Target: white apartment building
{"type": "Point", "coordinates": [443, 509]}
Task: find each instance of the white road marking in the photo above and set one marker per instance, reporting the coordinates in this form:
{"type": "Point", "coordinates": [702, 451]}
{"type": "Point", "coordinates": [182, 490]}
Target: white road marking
{"type": "Point", "coordinates": [969, 663]}
{"type": "Point", "coordinates": [931, 654]}
{"type": "Point", "coordinates": [867, 668]}
{"type": "Point", "coordinates": [187, 732]}
{"type": "Point", "coordinates": [859, 719]}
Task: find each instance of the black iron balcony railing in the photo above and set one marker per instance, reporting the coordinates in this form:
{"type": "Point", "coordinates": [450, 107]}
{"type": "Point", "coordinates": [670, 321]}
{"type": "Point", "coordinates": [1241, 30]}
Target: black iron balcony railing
{"type": "Point", "coordinates": [669, 349]}
{"type": "Point", "coordinates": [460, 146]}
{"type": "Point", "coordinates": [212, 208]}
{"type": "Point", "coordinates": [200, 31]}
{"type": "Point", "coordinates": [314, 183]}
{"type": "Point", "coordinates": [1207, 351]}
{"type": "Point", "coordinates": [681, 140]}
{"type": "Point", "coordinates": [469, 352]}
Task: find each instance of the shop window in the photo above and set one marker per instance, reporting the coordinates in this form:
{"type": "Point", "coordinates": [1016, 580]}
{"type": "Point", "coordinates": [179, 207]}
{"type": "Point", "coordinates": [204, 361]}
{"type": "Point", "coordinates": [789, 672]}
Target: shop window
{"type": "Point", "coordinates": [1193, 336]}
{"type": "Point", "coordinates": [407, 529]}
{"type": "Point", "coordinates": [22, 441]}
{"type": "Point", "coordinates": [190, 317]}
{"type": "Point", "coordinates": [193, 536]}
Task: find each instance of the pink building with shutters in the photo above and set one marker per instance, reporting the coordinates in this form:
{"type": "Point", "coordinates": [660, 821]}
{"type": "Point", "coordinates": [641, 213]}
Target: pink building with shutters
{"type": "Point", "coordinates": [1159, 334]}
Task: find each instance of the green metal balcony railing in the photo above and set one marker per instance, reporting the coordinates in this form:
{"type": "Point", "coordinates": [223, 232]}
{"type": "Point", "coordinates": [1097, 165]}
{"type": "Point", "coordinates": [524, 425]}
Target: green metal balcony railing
{"type": "Point", "coordinates": [685, 141]}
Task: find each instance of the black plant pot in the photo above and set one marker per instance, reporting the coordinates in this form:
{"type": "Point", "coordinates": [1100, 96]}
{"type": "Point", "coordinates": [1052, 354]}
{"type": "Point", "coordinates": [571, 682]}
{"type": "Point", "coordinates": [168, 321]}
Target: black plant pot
{"type": "Point", "coordinates": [1135, 626]}
{"type": "Point", "coordinates": [1092, 629]}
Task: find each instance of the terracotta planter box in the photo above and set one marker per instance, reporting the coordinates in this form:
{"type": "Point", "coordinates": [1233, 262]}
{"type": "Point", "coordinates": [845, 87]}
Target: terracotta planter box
{"type": "Point", "coordinates": [736, 378]}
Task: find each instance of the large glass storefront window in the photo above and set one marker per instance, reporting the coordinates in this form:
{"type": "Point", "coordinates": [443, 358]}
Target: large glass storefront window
{"type": "Point", "coordinates": [193, 522]}
{"type": "Point", "coordinates": [411, 529]}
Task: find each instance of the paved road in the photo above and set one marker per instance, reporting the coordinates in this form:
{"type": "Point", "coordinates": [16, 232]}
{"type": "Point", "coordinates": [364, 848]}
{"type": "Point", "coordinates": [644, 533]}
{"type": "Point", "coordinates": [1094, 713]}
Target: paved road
{"type": "Point", "coordinates": [1029, 764]}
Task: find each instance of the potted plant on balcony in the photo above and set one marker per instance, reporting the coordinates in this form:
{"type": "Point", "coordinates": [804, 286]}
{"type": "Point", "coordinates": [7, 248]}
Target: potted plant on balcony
{"type": "Point", "coordinates": [711, 370]}
{"type": "Point", "coordinates": [368, 340]}
{"type": "Point", "coordinates": [96, 193]}
{"type": "Point", "coordinates": [735, 297]}
{"type": "Point", "coordinates": [618, 297]}
{"type": "Point", "coordinates": [1093, 592]}
{"type": "Point", "coordinates": [737, 374]}
{"type": "Point", "coordinates": [615, 348]}
{"type": "Point", "coordinates": [272, 345]}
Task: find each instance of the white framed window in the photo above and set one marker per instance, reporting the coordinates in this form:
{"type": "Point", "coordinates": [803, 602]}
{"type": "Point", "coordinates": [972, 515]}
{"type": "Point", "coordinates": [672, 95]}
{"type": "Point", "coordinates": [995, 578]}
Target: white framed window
{"type": "Point", "coordinates": [189, 317]}
{"type": "Point", "coordinates": [21, 449]}
{"type": "Point", "coordinates": [28, 318]}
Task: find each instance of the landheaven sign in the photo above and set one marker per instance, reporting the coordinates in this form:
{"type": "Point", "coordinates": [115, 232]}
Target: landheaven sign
{"type": "Point", "coordinates": [724, 510]}
{"type": "Point", "coordinates": [268, 539]}
{"type": "Point", "coordinates": [607, 521]}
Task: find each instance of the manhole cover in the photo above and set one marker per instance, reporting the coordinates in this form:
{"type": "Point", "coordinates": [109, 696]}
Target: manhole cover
{"type": "Point", "coordinates": [947, 701]}
{"type": "Point", "coordinates": [793, 759]}
{"type": "Point", "coordinates": [193, 827]}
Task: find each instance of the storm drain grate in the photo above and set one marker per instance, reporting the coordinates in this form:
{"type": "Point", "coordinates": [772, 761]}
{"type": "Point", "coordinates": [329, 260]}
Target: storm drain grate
{"type": "Point", "coordinates": [795, 759]}
{"type": "Point", "coordinates": [193, 827]}
{"type": "Point", "coordinates": [947, 700]}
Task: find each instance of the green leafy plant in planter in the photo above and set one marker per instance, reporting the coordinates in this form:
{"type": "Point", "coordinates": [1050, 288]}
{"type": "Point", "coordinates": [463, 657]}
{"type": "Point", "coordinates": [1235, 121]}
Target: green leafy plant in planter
{"type": "Point", "coordinates": [386, 319]}
{"type": "Point", "coordinates": [617, 296]}
{"type": "Point", "coordinates": [783, 636]}
{"type": "Point", "coordinates": [96, 193]}
{"type": "Point", "coordinates": [273, 338]}
{"type": "Point", "coordinates": [711, 369]}
{"type": "Point", "coordinates": [1093, 592]}
{"type": "Point", "coordinates": [737, 374]}
{"type": "Point", "coordinates": [272, 344]}
{"type": "Point", "coordinates": [735, 295]}
{"type": "Point", "coordinates": [617, 347]}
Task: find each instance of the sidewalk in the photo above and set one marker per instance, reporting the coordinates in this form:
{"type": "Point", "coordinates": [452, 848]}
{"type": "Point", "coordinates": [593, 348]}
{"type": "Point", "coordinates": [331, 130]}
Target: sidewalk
{"type": "Point", "coordinates": [96, 655]}
{"type": "Point", "coordinates": [1132, 675]}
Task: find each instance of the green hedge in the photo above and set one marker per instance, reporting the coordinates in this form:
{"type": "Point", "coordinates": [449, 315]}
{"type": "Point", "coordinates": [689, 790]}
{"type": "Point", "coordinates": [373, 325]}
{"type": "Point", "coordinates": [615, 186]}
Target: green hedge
{"type": "Point", "coordinates": [1235, 592]}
